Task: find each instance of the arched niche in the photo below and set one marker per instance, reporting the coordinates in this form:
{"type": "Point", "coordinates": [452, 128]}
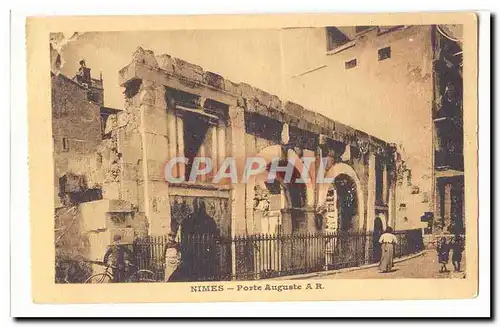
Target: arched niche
{"type": "Point", "coordinates": [332, 174]}
{"type": "Point", "coordinates": [293, 196]}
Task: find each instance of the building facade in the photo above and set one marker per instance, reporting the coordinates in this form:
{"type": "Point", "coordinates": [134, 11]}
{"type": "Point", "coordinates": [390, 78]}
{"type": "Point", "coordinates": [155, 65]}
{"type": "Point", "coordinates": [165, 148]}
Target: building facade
{"type": "Point", "coordinates": [406, 76]}
{"type": "Point", "coordinates": [448, 135]}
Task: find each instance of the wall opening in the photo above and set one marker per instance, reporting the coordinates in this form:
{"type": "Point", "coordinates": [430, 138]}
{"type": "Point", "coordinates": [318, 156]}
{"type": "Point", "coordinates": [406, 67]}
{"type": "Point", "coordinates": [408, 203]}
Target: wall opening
{"type": "Point", "coordinates": [335, 38]}
{"type": "Point", "coordinates": [361, 28]}
{"type": "Point", "coordinates": [347, 203]}
{"type": "Point", "coordinates": [384, 53]}
{"type": "Point", "coordinates": [351, 64]}
{"type": "Point", "coordinates": [65, 144]}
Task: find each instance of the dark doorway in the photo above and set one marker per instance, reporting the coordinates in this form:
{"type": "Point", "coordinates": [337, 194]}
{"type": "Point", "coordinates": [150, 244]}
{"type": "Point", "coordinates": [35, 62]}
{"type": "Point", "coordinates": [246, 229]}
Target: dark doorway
{"type": "Point", "coordinates": [350, 243]}
{"type": "Point", "coordinates": [378, 230]}
{"type": "Point", "coordinates": [347, 203]}
{"type": "Point", "coordinates": [200, 238]}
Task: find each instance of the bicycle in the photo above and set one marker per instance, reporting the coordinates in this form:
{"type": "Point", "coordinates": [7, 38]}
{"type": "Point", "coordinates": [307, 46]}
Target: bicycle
{"type": "Point", "coordinates": [139, 276]}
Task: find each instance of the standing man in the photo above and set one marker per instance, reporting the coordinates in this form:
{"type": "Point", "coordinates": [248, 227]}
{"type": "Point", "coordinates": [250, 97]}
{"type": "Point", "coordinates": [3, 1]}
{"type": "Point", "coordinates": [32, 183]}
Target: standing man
{"type": "Point", "coordinates": [83, 74]}
{"type": "Point", "coordinates": [120, 258]}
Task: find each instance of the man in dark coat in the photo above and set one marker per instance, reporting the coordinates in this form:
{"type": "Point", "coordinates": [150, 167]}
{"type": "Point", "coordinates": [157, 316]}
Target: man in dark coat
{"type": "Point", "coordinates": [120, 258]}
{"type": "Point", "coordinates": [443, 251]}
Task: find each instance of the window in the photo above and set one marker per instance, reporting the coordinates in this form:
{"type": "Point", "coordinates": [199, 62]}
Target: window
{"type": "Point", "coordinates": [351, 64]}
{"type": "Point", "coordinates": [65, 144]}
{"type": "Point", "coordinates": [335, 38]}
{"type": "Point", "coordinates": [384, 53]}
{"type": "Point", "coordinates": [360, 29]}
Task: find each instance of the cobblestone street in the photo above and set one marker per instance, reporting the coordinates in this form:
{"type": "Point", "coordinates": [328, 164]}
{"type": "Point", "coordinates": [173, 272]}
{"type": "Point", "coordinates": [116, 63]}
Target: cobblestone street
{"type": "Point", "coordinates": [423, 266]}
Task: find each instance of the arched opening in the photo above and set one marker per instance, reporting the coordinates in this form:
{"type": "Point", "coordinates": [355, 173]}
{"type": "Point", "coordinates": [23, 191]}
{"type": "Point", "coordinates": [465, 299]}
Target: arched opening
{"type": "Point", "coordinates": [203, 256]}
{"type": "Point", "coordinates": [343, 217]}
{"type": "Point", "coordinates": [278, 209]}
{"type": "Point", "coordinates": [378, 230]}
{"type": "Point", "coordinates": [346, 187]}
{"type": "Point", "coordinates": [278, 206]}
{"type": "Point", "coordinates": [347, 203]}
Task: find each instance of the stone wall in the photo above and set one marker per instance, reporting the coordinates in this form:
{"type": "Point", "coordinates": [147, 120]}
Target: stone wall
{"type": "Point", "coordinates": [76, 129]}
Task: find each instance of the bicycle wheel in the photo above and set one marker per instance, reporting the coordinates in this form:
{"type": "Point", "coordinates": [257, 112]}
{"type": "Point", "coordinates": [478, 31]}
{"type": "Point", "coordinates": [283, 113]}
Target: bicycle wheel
{"type": "Point", "coordinates": [142, 276]}
{"type": "Point", "coordinates": [101, 278]}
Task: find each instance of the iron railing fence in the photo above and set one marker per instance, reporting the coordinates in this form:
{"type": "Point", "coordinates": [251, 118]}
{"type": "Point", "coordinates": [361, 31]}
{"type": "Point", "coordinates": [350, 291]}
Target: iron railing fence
{"type": "Point", "coordinates": [207, 257]}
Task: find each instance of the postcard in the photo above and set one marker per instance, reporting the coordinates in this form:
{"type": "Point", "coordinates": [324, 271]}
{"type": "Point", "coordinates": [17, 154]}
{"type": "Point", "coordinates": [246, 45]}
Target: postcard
{"type": "Point", "coordinates": [253, 157]}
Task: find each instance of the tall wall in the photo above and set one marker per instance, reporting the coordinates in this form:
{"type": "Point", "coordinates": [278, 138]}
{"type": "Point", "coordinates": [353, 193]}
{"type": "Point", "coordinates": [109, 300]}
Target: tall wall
{"type": "Point", "coordinates": [76, 128]}
{"type": "Point", "coordinates": [87, 212]}
{"type": "Point", "coordinates": [390, 99]}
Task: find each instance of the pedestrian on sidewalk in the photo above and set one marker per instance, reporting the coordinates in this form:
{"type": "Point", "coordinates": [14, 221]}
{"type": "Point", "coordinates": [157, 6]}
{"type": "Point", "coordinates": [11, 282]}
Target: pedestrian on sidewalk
{"type": "Point", "coordinates": [443, 250]}
{"type": "Point", "coordinates": [387, 241]}
{"type": "Point", "coordinates": [457, 248]}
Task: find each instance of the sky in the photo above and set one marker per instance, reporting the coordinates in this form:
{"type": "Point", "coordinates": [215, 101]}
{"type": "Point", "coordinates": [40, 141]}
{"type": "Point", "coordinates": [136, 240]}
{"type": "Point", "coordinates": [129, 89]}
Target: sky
{"type": "Point", "coordinates": [250, 56]}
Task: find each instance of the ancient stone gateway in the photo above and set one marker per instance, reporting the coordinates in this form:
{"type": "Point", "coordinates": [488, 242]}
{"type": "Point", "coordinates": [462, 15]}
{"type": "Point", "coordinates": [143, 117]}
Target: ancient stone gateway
{"type": "Point", "coordinates": [176, 109]}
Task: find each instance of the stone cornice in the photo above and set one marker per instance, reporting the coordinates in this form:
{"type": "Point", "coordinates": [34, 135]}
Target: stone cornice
{"type": "Point", "coordinates": [179, 74]}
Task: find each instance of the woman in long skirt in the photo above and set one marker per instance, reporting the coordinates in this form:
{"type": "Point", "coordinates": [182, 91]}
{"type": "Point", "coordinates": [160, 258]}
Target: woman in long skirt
{"type": "Point", "coordinates": [387, 241]}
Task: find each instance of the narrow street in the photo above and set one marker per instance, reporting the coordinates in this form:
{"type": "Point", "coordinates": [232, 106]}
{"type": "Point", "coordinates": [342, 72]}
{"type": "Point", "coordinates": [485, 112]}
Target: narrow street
{"type": "Point", "coordinates": [423, 266]}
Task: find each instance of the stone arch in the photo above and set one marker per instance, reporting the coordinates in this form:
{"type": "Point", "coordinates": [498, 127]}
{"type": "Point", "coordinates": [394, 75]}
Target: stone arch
{"type": "Point", "coordinates": [269, 153]}
{"type": "Point", "coordinates": [332, 173]}
{"type": "Point", "coordinates": [275, 151]}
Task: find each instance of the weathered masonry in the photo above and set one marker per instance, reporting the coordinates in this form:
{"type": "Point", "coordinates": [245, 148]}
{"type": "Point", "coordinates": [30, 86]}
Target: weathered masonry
{"type": "Point", "coordinates": [174, 108]}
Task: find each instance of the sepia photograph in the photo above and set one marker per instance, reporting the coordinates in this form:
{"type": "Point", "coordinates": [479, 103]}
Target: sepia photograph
{"type": "Point", "coordinates": [297, 154]}
{"type": "Point", "coordinates": [377, 195]}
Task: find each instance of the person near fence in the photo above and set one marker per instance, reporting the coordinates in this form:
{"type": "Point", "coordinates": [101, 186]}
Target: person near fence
{"type": "Point", "coordinates": [458, 248]}
{"type": "Point", "coordinates": [387, 241]}
{"type": "Point", "coordinates": [443, 250]}
{"type": "Point", "coordinates": [173, 269]}
{"type": "Point", "coordinates": [120, 258]}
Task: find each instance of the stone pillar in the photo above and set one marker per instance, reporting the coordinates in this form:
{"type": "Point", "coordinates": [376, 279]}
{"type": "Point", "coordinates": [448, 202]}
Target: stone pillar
{"type": "Point", "coordinates": [153, 189]}
{"type": "Point", "coordinates": [172, 139]}
{"type": "Point", "coordinates": [437, 204]}
{"type": "Point", "coordinates": [179, 121]}
{"type": "Point", "coordinates": [447, 207]}
{"type": "Point", "coordinates": [238, 190]}
{"type": "Point", "coordinates": [221, 143]}
{"type": "Point", "coordinates": [310, 216]}
{"type": "Point", "coordinates": [202, 154]}
{"type": "Point", "coordinates": [392, 204]}
{"type": "Point", "coordinates": [371, 193]}
{"type": "Point", "coordinates": [237, 141]}
{"type": "Point", "coordinates": [385, 184]}
{"type": "Point", "coordinates": [286, 221]}
{"type": "Point", "coordinates": [214, 150]}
